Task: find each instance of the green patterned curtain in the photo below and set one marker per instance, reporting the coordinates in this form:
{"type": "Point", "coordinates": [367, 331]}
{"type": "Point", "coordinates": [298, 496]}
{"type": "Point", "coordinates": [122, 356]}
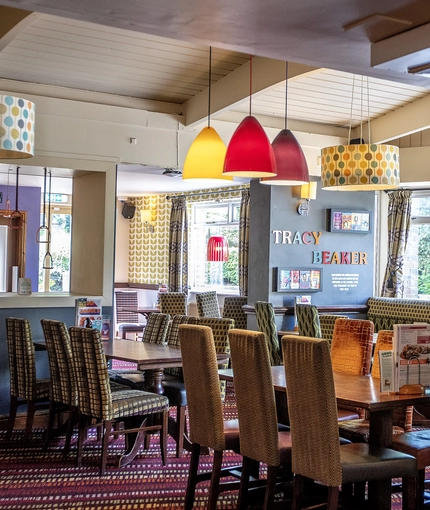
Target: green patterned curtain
{"type": "Point", "coordinates": [244, 242]}
{"type": "Point", "coordinates": [178, 246]}
{"type": "Point", "coordinates": [399, 220]}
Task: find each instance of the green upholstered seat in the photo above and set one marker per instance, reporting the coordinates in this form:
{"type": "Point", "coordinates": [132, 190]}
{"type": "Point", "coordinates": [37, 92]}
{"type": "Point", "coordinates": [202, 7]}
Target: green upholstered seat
{"type": "Point", "coordinates": [207, 304]}
{"type": "Point", "coordinates": [265, 316]}
{"type": "Point", "coordinates": [233, 309]}
{"type": "Point", "coordinates": [173, 303]}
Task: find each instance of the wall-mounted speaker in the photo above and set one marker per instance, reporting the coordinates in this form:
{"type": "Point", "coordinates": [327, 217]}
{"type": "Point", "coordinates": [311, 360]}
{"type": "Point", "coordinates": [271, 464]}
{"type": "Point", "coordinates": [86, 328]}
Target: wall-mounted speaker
{"type": "Point", "coordinates": [128, 210]}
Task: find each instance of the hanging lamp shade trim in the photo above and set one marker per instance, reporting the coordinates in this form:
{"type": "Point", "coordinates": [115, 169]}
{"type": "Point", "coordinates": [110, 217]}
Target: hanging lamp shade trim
{"type": "Point", "coordinates": [290, 161]}
{"type": "Point", "coordinates": [205, 158]}
{"type": "Point", "coordinates": [250, 153]}
{"type": "Point", "coordinates": [217, 249]}
{"type": "Point", "coordinates": [360, 167]}
{"type": "Point", "coordinates": [17, 117]}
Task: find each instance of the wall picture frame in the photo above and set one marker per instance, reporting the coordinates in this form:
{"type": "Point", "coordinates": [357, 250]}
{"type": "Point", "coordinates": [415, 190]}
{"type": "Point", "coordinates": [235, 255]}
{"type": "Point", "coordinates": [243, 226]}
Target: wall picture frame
{"type": "Point", "coordinates": [349, 221]}
{"type": "Point", "coordinates": [298, 279]}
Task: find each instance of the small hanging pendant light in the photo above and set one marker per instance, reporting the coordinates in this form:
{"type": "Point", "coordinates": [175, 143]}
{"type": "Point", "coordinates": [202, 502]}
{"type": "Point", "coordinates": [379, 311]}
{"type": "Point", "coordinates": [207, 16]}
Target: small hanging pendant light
{"type": "Point", "coordinates": [249, 153]}
{"type": "Point", "coordinates": [47, 259]}
{"type": "Point", "coordinates": [290, 160]}
{"type": "Point", "coordinates": [205, 158]}
{"type": "Point", "coordinates": [43, 235]}
{"type": "Point", "coordinates": [217, 250]}
{"type": "Point", "coordinates": [16, 215]}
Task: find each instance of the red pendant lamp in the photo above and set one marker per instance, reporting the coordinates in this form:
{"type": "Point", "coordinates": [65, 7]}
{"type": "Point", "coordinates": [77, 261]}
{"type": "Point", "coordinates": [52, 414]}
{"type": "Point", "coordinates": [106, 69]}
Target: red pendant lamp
{"type": "Point", "coordinates": [217, 250]}
{"type": "Point", "coordinates": [290, 160]}
{"type": "Point", "coordinates": [249, 153]}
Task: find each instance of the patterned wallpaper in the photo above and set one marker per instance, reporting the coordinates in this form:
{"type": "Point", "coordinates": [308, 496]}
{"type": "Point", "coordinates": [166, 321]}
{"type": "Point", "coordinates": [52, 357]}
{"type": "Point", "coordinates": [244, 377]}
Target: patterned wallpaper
{"type": "Point", "coordinates": [148, 254]}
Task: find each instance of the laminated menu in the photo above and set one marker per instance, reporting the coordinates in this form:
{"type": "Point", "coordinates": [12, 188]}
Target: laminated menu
{"type": "Point", "coordinates": [411, 354]}
{"type": "Point", "coordinates": [88, 313]}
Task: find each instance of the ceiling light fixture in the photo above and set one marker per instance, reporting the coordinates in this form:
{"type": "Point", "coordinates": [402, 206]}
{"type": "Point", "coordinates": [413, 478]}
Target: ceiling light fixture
{"type": "Point", "coordinates": [205, 158]}
{"type": "Point", "coordinates": [16, 127]}
{"type": "Point", "coordinates": [217, 249]}
{"type": "Point", "coordinates": [250, 153]}
{"type": "Point", "coordinates": [360, 166]}
{"type": "Point", "coordinates": [290, 160]}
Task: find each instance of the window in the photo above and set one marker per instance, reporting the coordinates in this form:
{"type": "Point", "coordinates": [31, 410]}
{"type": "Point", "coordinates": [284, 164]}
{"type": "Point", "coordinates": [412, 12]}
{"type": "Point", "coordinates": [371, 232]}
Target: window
{"type": "Point", "coordinates": [209, 219]}
{"type": "Point", "coordinates": [416, 268]}
{"type": "Point", "coordinates": [57, 279]}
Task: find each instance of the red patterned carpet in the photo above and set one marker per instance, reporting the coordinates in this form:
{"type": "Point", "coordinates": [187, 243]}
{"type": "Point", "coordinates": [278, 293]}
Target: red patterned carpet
{"type": "Point", "coordinates": [31, 479]}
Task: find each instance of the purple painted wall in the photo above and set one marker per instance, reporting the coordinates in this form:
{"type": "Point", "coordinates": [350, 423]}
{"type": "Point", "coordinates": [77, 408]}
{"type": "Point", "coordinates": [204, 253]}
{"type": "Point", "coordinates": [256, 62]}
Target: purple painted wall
{"type": "Point", "coordinates": [28, 200]}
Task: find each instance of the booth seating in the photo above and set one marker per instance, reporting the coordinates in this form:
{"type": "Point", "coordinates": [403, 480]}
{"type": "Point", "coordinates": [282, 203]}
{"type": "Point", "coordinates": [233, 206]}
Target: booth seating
{"type": "Point", "coordinates": [385, 312]}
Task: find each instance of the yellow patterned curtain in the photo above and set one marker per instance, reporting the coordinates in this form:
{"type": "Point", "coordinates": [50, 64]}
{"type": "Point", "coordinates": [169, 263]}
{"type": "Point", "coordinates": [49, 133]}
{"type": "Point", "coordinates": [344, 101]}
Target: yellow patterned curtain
{"type": "Point", "coordinates": [178, 246]}
{"type": "Point", "coordinates": [244, 242]}
{"type": "Point", "coordinates": [399, 220]}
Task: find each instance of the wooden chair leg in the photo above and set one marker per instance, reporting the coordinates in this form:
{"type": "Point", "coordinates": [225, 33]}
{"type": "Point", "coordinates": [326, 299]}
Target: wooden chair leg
{"type": "Point", "coordinates": [72, 420]}
{"type": "Point", "coordinates": [269, 493]}
{"type": "Point", "coordinates": [31, 409]}
{"type": "Point", "coordinates": [242, 501]}
{"type": "Point", "coordinates": [299, 484]}
{"type": "Point", "coordinates": [181, 425]}
{"type": "Point", "coordinates": [192, 477]}
{"type": "Point", "coordinates": [215, 480]}
{"type": "Point", "coordinates": [50, 426]}
{"type": "Point", "coordinates": [107, 426]}
{"type": "Point", "coordinates": [411, 497]}
{"type": "Point", "coordinates": [163, 437]}
{"type": "Point", "coordinates": [333, 498]}
{"type": "Point", "coordinates": [82, 434]}
{"type": "Point", "coordinates": [12, 415]}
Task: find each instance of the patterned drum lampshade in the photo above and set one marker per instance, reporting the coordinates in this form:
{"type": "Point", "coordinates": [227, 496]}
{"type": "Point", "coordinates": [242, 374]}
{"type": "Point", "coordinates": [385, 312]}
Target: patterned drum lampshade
{"type": "Point", "coordinates": [360, 167]}
{"type": "Point", "coordinates": [16, 127]}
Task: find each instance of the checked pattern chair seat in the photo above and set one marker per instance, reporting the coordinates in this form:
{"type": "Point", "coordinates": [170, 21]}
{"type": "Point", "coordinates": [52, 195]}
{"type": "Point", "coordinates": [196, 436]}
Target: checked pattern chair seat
{"type": "Point", "coordinates": [265, 316]}
{"type": "Point", "coordinates": [233, 310]}
{"type": "Point", "coordinates": [25, 387]}
{"type": "Point", "coordinates": [97, 403]}
{"type": "Point", "coordinates": [351, 353]}
{"type": "Point", "coordinates": [155, 332]}
{"type": "Point", "coordinates": [312, 400]}
{"type": "Point", "coordinates": [358, 430]}
{"type": "Point", "coordinates": [173, 303]}
{"type": "Point", "coordinates": [207, 304]}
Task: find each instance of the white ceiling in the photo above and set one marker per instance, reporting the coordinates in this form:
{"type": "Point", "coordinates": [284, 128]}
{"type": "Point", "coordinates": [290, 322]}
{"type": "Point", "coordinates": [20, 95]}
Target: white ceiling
{"type": "Point", "coordinates": [155, 56]}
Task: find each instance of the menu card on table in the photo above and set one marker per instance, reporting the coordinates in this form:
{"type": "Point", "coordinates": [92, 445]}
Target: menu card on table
{"type": "Point", "coordinates": [411, 354]}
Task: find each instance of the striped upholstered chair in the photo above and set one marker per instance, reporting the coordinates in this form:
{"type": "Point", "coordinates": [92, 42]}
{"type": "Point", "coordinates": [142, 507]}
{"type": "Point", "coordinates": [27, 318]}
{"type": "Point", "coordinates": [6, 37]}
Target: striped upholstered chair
{"type": "Point", "coordinates": [207, 304]}
{"type": "Point", "coordinates": [173, 303]}
{"type": "Point", "coordinates": [327, 322]}
{"type": "Point", "coordinates": [25, 388]}
{"type": "Point", "coordinates": [308, 321]}
{"type": "Point", "coordinates": [97, 403]}
{"type": "Point", "coordinates": [233, 310]}
{"type": "Point", "coordinates": [265, 316]}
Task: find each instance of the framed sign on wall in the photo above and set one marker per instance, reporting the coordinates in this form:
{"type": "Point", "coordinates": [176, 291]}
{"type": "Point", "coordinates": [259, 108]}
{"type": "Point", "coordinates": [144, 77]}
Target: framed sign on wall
{"type": "Point", "coordinates": [294, 279]}
{"type": "Point", "coordinates": [350, 221]}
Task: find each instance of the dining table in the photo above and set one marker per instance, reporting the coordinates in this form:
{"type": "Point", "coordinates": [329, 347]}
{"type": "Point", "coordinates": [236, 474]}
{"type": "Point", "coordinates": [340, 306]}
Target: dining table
{"type": "Point", "coordinates": [142, 310]}
{"type": "Point", "coordinates": [364, 392]}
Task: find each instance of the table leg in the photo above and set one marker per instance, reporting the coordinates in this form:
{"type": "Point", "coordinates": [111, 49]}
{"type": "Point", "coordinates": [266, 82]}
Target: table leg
{"type": "Point", "coordinates": [380, 434]}
{"type": "Point", "coordinates": [153, 380]}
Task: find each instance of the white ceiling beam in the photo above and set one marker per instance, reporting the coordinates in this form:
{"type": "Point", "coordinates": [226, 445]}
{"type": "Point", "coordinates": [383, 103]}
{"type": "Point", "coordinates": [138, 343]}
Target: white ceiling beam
{"type": "Point", "coordinates": [12, 23]}
{"type": "Point", "coordinates": [406, 120]}
{"type": "Point", "coordinates": [234, 88]}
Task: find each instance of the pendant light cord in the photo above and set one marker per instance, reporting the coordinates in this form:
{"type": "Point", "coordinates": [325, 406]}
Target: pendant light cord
{"type": "Point", "coordinates": [210, 82]}
{"type": "Point", "coordinates": [286, 95]}
{"type": "Point", "coordinates": [250, 82]}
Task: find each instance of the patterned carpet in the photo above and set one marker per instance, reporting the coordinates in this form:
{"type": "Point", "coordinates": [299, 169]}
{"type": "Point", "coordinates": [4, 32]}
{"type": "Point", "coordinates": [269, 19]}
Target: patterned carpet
{"type": "Point", "coordinates": [31, 479]}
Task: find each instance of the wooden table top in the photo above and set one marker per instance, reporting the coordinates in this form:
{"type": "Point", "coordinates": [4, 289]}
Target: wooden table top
{"type": "Point", "coordinates": [144, 354]}
{"type": "Point", "coordinates": [144, 310]}
{"type": "Point", "coordinates": [356, 390]}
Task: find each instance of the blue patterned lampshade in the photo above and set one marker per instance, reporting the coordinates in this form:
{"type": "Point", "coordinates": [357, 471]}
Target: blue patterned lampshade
{"type": "Point", "coordinates": [17, 117]}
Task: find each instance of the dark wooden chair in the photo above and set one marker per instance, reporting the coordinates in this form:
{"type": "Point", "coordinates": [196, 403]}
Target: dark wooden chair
{"type": "Point", "coordinates": [127, 322]}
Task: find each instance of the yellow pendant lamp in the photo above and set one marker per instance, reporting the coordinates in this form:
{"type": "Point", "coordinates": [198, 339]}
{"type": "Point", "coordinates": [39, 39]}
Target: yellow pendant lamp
{"type": "Point", "coordinates": [205, 158]}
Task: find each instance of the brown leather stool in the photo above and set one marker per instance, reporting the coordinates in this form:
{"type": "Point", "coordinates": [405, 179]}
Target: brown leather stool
{"type": "Point", "coordinates": [416, 443]}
